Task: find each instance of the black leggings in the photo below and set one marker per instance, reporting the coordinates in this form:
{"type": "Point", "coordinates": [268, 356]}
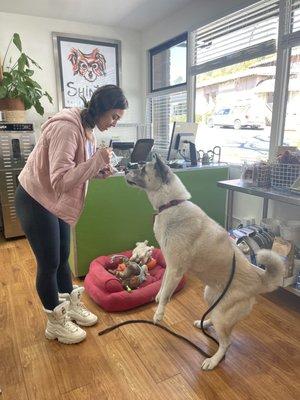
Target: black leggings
{"type": "Point", "coordinates": [49, 238]}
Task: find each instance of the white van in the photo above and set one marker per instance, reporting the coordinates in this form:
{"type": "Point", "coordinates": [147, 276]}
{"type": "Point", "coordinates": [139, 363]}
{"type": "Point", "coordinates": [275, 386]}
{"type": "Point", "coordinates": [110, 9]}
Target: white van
{"type": "Point", "coordinates": [238, 117]}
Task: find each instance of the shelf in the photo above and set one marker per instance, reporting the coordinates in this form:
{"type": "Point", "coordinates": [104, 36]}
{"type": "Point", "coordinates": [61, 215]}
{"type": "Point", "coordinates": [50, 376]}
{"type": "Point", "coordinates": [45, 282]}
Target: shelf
{"type": "Point", "coordinates": [284, 196]}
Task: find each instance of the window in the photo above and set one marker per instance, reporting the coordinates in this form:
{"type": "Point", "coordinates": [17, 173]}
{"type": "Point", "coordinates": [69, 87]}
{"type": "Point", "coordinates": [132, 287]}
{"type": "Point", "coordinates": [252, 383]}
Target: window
{"type": "Point", "coordinates": [291, 91]}
{"type": "Point", "coordinates": [167, 101]}
{"type": "Point", "coordinates": [292, 117]}
{"type": "Point", "coordinates": [234, 62]}
{"type": "Point", "coordinates": [233, 107]}
{"type": "Point", "coordinates": [162, 111]}
{"type": "Point", "coordinates": [168, 64]}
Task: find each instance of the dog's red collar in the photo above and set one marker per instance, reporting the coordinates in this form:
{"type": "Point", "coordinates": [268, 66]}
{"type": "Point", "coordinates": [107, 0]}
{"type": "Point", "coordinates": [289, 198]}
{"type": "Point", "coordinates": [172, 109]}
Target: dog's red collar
{"type": "Point", "coordinates": [167, 205]}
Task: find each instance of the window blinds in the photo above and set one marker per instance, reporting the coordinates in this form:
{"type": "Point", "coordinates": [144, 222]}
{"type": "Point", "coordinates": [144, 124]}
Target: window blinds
{"type": "Point", "coordinates": [161, 112]}
{"type": "Point", "coordinates": [295, 15]}
{"type": "Point", "coordinates": [292, 38]}
{"type": "Point", "coordinates": [243, 35]}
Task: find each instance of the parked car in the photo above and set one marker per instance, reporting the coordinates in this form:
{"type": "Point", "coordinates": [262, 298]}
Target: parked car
{"type": "Point", "coordinates": [238, 117]}
{"type": "Point", "coordinates": [292, 119]}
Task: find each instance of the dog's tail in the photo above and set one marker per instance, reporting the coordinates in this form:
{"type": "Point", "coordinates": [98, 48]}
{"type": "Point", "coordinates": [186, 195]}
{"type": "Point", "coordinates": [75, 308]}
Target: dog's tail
{"type": "Point", "coordinates": [274, 269]}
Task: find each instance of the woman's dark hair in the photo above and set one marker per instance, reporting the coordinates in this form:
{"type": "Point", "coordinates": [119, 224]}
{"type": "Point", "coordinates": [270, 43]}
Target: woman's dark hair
{"type": "Point", "coordinates": [104, 98]}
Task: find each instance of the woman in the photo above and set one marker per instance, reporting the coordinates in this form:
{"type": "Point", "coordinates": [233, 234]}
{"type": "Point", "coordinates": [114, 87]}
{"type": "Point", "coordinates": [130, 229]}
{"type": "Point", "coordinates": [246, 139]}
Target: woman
{"type": "Point", "coordinates": [50, 198]}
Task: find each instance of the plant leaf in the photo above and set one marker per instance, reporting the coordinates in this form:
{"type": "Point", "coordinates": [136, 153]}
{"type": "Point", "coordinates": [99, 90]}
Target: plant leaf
{"type": "Point", "coordinates": [3, 91]}
{"type": "Point", "coordinates": [27, 103]}
{"type": "Point", "coordinates": [7, 77]}
{"type": "Point", "coordinates": [29, 72]}
{"type": "Point", "coordinates": [48, 97]}
{"type": "Point", "coordinates": [39, 108]}
{"type": "Point", "coordinates": [33, 62]}
{"type": "Point", "coordinates": [21, 62]}
{"type": "Point", "coordinates": [30, 82]}
{"type": "Point", "coordinates": [35, 84]}
{"type": "Point", "coordinates": [17, 41]}
{"type": "Point", "coordinates": [22, 88]}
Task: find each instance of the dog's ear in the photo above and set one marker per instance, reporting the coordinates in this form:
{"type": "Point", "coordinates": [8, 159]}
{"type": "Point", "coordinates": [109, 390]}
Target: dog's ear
{"type": "Point", "coordinates": [73, 57]}
{"type": "Point", "coordinates": [102, 61]}
{"type": "Point", "coordinates": [162, 169]}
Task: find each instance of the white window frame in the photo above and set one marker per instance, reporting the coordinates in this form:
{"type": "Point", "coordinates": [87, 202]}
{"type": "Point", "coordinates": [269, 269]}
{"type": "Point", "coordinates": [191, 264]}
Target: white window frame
{"type": "Point", "coordinates": [286, 40]}
{"type": "Point", "coordinates": [153, 93]}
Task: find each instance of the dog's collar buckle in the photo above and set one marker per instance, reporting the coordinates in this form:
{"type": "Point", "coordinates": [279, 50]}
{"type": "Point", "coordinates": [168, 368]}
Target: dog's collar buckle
{"type": "Point", "coordinates": [171, 203]}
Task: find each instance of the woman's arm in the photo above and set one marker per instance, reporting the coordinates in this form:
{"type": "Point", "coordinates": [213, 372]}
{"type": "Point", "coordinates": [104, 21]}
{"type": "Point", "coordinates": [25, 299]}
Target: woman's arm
{"type": "Point", "coordinates": [64, 173]}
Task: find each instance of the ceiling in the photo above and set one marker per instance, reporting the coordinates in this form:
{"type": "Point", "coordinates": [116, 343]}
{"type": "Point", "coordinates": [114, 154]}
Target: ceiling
{"type": "Point", "coordinates": [135, 14]}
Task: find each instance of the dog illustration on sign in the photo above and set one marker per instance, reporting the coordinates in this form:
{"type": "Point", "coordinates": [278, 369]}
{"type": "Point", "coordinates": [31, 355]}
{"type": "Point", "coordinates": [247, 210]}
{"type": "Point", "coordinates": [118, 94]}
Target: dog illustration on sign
{"type": "Point", "coordinates": [88, 65]}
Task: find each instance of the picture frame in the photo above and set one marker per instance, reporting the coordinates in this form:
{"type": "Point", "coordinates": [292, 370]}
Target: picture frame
{"type": "Point", "coordinates": [82, 64]}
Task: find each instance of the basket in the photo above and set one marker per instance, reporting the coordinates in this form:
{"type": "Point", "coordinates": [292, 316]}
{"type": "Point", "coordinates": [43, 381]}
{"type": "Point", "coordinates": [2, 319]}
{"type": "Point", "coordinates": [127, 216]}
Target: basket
{"type": "Point", "coordinates": [15, 116]}
{"type": "Point", "coordinates": [262, 175]}
{"type": "Point", "coordinates": [13, 109]}
{"type": "Point", "coordinates": [284, 175]}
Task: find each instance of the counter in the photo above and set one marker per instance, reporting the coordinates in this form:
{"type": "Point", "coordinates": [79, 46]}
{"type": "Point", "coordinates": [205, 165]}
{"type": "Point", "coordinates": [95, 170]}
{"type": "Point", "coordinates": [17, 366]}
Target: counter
{"type": "Point", "coordinates": [116, 216]}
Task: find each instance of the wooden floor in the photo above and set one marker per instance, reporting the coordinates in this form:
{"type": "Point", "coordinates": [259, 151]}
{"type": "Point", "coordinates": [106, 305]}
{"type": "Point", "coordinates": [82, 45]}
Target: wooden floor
{"type": "Point", "coordinates": [141, 361]}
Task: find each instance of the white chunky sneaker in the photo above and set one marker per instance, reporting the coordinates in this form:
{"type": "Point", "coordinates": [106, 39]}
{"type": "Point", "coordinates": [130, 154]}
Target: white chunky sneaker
{"type": "Point", "coordinates": [77, 310]}
{"type": "Point", "coordinates": [60, 327]}
{"type": "Point", "coordinates": [62, 296]}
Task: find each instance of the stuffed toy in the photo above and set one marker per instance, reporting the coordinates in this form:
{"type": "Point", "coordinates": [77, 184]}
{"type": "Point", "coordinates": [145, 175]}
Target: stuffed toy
{"type": "Point", "coordinates": [130, 273]}
{"type": "Point", "coordinates": [142, 253]}
{"type": "Point", "coordinates": [133, 271]}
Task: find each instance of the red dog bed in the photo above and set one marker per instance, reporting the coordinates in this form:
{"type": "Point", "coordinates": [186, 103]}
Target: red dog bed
{"type": "Point", "coordinates": [105, 289]}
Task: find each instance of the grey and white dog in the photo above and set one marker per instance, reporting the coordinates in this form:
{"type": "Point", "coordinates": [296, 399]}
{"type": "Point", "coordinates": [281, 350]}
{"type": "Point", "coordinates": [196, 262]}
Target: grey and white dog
{"type": "Point", "coordinates": [191, 241]}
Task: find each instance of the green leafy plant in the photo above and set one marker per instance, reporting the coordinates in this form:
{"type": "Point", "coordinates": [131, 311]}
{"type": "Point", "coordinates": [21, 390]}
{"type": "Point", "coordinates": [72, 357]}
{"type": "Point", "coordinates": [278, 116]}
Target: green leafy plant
{"type": "Point", "coordinates": [17, 82]}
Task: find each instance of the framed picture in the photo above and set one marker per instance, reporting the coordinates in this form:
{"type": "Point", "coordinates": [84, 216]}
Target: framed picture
{"type": "Point", "coordinates": [82, 65]}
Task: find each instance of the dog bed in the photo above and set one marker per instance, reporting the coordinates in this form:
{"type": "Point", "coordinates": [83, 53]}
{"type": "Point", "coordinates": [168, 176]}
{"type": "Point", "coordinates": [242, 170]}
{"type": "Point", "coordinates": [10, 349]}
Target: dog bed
{"type": "Point", "coordinates": [106, 290]}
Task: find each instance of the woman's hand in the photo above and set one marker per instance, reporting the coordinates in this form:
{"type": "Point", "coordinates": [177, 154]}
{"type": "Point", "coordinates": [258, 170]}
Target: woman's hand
{"type": "Point", "coordinates": [106, 154]}
{"type": "Point", "coordinates": [105, 172]}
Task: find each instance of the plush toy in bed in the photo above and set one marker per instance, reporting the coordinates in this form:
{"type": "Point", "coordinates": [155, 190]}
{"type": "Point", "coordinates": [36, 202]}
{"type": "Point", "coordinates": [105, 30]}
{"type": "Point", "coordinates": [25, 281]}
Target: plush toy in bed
{"type": "Point", "coordinates": [129, 273]}
{"type": "Point", "coordinates": [142, 253]}
{"type": "Point", "coordinates": [133, 271]}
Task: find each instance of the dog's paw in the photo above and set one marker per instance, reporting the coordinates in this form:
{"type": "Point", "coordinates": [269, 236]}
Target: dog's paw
{"type": "Point", "coordinates": [209, 364]}
{"type": "Point", "coordinates": [158, 316]}
{"type": "Point", "coordinates": [206, 324]}
{"type": "Point", "coordinates": [197, 323]}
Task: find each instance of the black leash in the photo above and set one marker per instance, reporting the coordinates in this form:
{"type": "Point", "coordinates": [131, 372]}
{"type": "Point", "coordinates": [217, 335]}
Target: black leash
{"type": "Point", "coordinates": [145, 321]}
{"type": "Point", "coordinates": [218, 300]}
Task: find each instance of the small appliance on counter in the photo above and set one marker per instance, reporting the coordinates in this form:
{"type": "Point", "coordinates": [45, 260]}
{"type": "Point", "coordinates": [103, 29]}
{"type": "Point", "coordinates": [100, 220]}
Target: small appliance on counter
{"type": "Point", "coordinates": [16, 143]}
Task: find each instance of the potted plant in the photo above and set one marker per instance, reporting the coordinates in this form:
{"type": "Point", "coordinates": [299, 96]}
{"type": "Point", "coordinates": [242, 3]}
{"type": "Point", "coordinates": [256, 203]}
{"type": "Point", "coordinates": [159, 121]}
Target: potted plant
{"type": "Point", "coordinates": [18, 91]}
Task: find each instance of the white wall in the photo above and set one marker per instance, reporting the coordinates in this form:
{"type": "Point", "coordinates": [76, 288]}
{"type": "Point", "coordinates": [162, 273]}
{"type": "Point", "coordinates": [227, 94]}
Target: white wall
{"type": "Point", "coordinates": [35, 33]}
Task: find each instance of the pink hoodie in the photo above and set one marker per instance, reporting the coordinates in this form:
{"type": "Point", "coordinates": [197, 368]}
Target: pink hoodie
{"type": "Point", "coordinates": [56, 171]}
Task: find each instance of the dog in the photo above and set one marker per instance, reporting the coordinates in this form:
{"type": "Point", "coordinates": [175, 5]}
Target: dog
{"type": "Point", "coordinates": [191, 241]}
{"type": "Point", "coordinates": [89, 66]}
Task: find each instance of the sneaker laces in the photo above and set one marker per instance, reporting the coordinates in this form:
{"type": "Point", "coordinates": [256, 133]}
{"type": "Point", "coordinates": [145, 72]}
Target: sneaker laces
{"type": "Point", "coordinates": [68, 324]}
{"type": "Point", "coordinates": [81, 309]}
